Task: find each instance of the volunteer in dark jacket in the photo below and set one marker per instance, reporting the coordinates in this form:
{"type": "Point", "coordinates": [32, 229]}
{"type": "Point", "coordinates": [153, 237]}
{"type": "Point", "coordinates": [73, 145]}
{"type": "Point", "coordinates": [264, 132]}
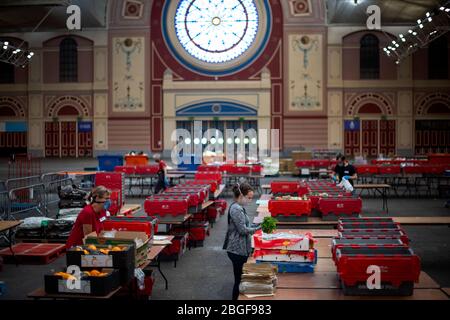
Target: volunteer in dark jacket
{"type": "Point", "coordinates": [91, 218]}
{"type": "Point", "coordinates": [344, 170]}
{"type": "Point", "coordinates": [238, 237]}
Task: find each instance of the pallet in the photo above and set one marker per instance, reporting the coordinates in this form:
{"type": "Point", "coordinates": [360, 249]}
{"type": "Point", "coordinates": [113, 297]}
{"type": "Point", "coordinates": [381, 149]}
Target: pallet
{"type": "Point", "coordinates": [42, 240]}
{"type": "Point", "coordinates": [33, 253]}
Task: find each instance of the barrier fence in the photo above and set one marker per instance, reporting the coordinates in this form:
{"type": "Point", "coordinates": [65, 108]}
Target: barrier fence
{"type": "Point", "coordinates": [51, 190]}
{"type": "Point", "coordinates": [26, 201]}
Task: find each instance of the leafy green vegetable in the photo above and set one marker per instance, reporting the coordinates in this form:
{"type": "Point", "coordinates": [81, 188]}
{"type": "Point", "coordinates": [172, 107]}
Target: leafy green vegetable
{"type": "Point", "coordinates": [269, 224]}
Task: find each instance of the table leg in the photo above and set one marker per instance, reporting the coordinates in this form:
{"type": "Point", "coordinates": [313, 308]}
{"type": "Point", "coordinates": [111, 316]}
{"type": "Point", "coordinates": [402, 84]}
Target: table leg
{"type": "Point", "coordinates": [384, 197]}
{"type": "Point", "coordinates": [162, 274]}
{"type": "Point", "coordinates": [10, 241]}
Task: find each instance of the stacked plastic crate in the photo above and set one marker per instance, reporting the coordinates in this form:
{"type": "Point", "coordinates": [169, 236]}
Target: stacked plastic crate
{"type": "Point", "coordinates": [373, 257]}
{"type": "Point", "coordinates": [332, 202]}
{"type": "Point", "coordinates": [115, 181]}
{"type": "Point", "coordinates": [290, 252]}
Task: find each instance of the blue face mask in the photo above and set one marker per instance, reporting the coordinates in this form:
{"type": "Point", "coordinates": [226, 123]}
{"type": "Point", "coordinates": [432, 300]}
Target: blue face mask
{"type": "Point", "coordinates": [107, 204]}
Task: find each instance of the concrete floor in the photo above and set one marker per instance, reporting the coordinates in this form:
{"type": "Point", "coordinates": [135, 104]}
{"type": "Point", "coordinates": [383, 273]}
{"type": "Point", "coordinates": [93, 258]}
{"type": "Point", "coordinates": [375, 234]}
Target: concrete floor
{"type": "Point", "coordinates": [206, 272]}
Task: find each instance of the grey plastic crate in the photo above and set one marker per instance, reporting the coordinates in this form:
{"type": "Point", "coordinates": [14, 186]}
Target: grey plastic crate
{"type": "Point", "coordinates": [367, 242]}
{"type": "Point", "coordinates": [374, 251]}
{"type": "Point", "coordinates": [365, 219]}
{"type": "Point", "coordinates": [368, 225]}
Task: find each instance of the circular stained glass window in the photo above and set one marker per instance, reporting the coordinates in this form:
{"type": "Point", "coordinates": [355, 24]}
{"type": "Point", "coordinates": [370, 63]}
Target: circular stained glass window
{"type": "Point", "coordinates": [216, 31]}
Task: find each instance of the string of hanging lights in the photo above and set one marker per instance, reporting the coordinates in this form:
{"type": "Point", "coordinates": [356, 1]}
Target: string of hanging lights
{"type": "Point", "coordinates": [431, 27]}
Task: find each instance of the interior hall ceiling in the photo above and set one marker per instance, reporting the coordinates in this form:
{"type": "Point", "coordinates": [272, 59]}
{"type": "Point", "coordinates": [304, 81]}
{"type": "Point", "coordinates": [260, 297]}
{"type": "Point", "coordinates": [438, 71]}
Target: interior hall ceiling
{"type": "Point", "coordinates": [25, 15]}
{"type": "Point", "coordinates": [393, 12]}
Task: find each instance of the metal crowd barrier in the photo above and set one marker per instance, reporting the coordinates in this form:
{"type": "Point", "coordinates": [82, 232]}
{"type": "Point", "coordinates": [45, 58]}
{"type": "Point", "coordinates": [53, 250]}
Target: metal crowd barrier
{"type": "Point", "coordinates": [51, 190]}
{"type": "Point", "coordinates": [27, 200]}
{"type": "Point", "coordinates": [22, 182]}
{"type": "Point", "coordinates": [52, 176]}
{"type": "Point", "coordinates": [4, 205]}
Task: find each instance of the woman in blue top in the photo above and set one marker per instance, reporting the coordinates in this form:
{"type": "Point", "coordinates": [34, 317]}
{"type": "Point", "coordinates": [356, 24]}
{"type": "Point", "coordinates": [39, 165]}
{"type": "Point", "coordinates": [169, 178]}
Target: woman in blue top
{"type": "Point", "coordinates": [237, 240]}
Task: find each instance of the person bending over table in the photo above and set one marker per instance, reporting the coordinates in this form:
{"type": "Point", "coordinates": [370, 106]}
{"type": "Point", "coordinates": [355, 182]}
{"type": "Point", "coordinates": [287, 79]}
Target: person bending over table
{"type": "Point", "coordinates": [237, 240]}
{"type": "Point", "coordinates": [344, 170]}
{"type": "Point", "coordinates": [91, 217]}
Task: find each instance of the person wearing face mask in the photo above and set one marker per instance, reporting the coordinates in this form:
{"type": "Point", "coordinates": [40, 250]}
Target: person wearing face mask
{"type": "Point", "coordinates": [91, 217]}
{"type": "Point", "coordinates": [237, 240]}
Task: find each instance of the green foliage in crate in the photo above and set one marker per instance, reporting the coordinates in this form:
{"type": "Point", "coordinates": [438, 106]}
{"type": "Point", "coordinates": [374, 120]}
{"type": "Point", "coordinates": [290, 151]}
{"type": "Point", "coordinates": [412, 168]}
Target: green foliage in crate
{"type": "Point", "coordinates": [269, 224]}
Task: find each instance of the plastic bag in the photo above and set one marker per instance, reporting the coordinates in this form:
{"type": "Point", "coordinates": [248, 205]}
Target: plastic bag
{"type": "Point", "coordinates": [34, 222]}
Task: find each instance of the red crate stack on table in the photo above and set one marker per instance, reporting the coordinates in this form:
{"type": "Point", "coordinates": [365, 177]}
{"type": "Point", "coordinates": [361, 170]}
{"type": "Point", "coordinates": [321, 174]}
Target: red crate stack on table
{"type": "Point", "coordinates": [115, 181]}
{"type": "Point", "coordinates": [288, 206]}
{"type": "Point", "coordinates": [374, 245]}
{"type": "Point", "coordinates": [171, 206]}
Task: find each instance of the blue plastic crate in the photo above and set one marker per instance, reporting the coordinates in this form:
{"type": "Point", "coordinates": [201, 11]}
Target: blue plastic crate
{"type": "Point", "coordinates": [2, 288]}
{"type": "Point", "coordinates": [294, 267]}
{"type": "Point", "coordinates": [109, 162]}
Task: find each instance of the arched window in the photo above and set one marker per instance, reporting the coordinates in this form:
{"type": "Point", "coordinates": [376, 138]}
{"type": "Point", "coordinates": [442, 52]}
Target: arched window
{"type": "Point", "coordinates": [68, 60]}
{"type": "Point", "coordinates": [438, 59]}
{"type": "Point", "coordinates": [6, 72]}
{"type": "Point", "coordinates": [369, 57]}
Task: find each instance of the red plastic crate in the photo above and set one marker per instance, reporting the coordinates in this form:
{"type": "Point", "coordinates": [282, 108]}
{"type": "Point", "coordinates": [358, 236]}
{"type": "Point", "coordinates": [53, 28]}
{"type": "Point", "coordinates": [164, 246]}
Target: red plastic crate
{"type": "Point", "coordinates": [413, 170]}
{"type": "Point", "coordinates": [221, 203]}
{"type": "Point", "coordinates": [206, 168]}
{"type": "Point", "coordinates": [125, 169]}
{"type": "Point", "coordinates": [193, 198]}
{"type": "Point", "coordinates": [289, 207]}
{"type": "Point", "coordinates": [313, 163]}
{"type": "Point", "coordinates": [338, 206]}
{"type": "Point", "coordinates": [227, 167]}
{"type": "Point", "coordinates": [212, 184]}
{"type": "Point", "coordinates": [374, 233]}
{"type": "Point", "coordinates": [178, 245]}
{"type": "Point", "coordinates": [213, 212]}
{"type": "Point", "coordinates": [285, 187]}
{"type": "Point", "coordinates": [165, 206]}
{"type": "Point", "coordinates": [239, 170]}
{"type": "Point", "coordinates": [198, 232]}
{"type": "Point", "coordinates": [368, 225]}
{"type": "Point", "coordinates": [202, 192]}
{"type": "Point", "coordinates": [398, 264]}
{"type": "Point", "coordinates": [436, 169]}
{"type": "Point", "coordinates": [217, 176]}
{"type": "Point", "coordinates": [138, 226]}
{"type": "Point", "coordinates": [257, 169]}
{"type": "Point", "coordinates": [439, 158]}
{"type": "Point", "coordinates": [321, 163]}
{"type": "Point", "coordinates": [389, 169]}
{"type": "Point", "coordinates": [338, 243]}
{"type": "Point", "coordinates": [366, 169]}
{"type": "Point", "coordinates": [109, 178]}
{"type": "Point", "coordinates": [147, 170]}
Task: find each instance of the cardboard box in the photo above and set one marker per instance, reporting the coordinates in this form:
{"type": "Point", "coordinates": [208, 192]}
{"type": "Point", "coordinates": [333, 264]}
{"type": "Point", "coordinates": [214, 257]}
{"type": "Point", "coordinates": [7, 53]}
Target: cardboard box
{"type": "Point", "coordinates": [96, 286]}
{"type": "Point", "coordinates": [140, 240]}
{"type": "Point", "coordinates": [123, 260]}
{"type": "Point", "coordinates": [301, 155]}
